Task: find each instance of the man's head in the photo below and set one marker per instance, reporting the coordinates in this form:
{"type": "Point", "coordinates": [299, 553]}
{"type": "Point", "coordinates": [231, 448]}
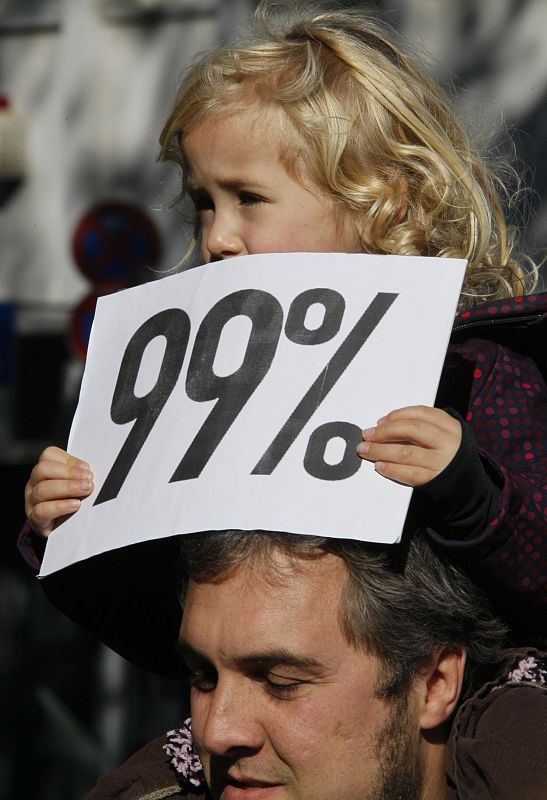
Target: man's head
{"type": "Point", "coordinates": [326, 669]}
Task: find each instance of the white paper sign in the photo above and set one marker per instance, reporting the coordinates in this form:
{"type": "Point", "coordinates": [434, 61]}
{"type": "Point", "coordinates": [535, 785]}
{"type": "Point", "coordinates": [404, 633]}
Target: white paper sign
{"type": "Point", "coordinates": [233, 396]}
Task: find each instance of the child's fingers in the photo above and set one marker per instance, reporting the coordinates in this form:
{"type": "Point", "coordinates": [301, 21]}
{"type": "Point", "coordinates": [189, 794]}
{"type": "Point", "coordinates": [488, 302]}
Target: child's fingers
{"type": "Point", "coordinates": [53, 453]}
{"type": "Point", "coordinates": [426, 427]}
{"type": "Point", "coordinates": [53, 458]}
{"type": "Point", "coordinates": [54, 489]}
{"type": "Point", "coordinates": [56, 463]}
{"type": "Point", "coordinates": [55, 470]}
{"type": "Point", "coordinates": [43, 517]}
{"type": "Point", "coordinates": [52, 480]}
{"type": "Point", "coordinates": [49, 500]}
{"type": "Point", "coordinates": [422, 415]}
{"type": "Point", "coordinates": [413, 431]}
{"type": "Point", "coordinates": [419, 424]}
{"type": "Point", "coordinates": [409, 455]}
{"type": "Point", "coordinates": [59, 490]}
{"type": "Point", "coordinates": [401, 473]}
{"type": "Point", "coordinates": [412, 445]}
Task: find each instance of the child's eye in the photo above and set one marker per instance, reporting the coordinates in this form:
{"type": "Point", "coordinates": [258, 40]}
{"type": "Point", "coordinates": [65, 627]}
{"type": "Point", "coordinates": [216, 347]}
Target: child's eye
{"type": "Point", "coordinates": [248, 199]}
{"type": "Point", "coordinates": [202, 203]}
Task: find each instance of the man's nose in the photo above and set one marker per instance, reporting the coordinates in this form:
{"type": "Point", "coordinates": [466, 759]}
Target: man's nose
{"type": "Point", "coordinates": [223, 239]}
{"type": "Point", "coordinates": [232, 728]}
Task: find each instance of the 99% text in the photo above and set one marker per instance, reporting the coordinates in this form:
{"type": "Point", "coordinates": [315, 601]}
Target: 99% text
{"type": "Point", "coordinates": [232, 391]}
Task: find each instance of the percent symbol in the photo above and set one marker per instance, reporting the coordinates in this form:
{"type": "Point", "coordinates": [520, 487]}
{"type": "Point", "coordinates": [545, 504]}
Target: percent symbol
{"type": "Point", "coordinates": [314, 459]}
{"type": "Point", "coordinates": [232, 391]}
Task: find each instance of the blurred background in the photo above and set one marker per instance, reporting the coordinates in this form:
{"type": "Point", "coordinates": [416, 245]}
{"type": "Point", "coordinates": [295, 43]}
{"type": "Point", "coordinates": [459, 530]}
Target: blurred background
{"type": "Point", "coordinates": [84, 88]}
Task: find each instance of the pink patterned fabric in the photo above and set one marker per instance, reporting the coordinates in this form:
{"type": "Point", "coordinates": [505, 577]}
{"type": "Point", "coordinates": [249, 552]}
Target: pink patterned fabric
{"type": "Point", "coordinates": [184, 759]}
{"type": "Point", "coordinates": [529, 670]}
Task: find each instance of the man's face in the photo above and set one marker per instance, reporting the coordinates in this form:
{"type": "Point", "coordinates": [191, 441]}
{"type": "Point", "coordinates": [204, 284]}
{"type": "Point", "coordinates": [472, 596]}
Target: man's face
{"type": "Point", "coordinates": [283, 707]}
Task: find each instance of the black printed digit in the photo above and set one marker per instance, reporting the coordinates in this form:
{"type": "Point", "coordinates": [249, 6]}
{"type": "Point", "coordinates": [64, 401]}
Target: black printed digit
{"type": "Point", "coordinates": [230, 391]}
{"type": "Point", "coordinates": [174, 324]}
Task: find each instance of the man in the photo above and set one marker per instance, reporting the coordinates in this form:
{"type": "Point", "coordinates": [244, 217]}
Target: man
{"type": "Point", "coordinates": [321, 670]}
{"type": "Point", "coordinates": [301, 686]}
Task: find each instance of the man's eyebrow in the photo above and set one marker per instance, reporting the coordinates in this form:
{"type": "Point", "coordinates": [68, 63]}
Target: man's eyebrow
{"type": "Point", "coordinates": [185, 650]}
{"type": "Point", "coordinates": [267, 658]}
{"type": "Point", "coordinates": [282, 658]}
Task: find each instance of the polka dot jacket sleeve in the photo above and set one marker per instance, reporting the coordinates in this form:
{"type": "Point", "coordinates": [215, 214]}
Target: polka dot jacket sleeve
{"type": "Point", "coordinates": [31, 547]}
{"type": "Point", "coordinates": [503, 397]}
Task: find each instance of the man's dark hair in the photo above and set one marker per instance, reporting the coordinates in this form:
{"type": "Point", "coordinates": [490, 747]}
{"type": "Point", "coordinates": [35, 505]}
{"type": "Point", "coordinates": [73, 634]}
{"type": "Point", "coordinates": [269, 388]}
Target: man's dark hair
{"type": "Point", "coordinates": [400, 603]}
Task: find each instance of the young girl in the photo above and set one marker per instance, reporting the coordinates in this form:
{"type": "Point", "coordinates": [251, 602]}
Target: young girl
{"type": "Point", "coordinates": [322, 135]}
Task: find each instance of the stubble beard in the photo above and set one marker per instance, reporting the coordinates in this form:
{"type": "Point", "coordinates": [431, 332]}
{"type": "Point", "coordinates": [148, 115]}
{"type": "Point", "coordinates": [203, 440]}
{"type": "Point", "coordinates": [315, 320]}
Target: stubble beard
{"type": "Point", "coordinates": [399, 758]}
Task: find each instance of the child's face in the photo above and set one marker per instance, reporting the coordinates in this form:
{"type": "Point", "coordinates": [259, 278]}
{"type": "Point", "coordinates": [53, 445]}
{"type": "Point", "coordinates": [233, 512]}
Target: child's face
{"type": "Point", "coordinates": [247, 201]}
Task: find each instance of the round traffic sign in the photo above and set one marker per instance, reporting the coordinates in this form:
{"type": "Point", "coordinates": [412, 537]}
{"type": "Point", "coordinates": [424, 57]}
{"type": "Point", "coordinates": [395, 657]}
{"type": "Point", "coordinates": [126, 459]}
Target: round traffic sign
{"type": "Point", "coordinates": [113, 242]}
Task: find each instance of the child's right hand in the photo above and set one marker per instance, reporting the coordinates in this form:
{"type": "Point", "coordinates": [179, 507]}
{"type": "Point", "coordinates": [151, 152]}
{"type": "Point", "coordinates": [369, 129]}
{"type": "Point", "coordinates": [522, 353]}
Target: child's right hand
{"type": "Point", "coordinates": [54, 489]}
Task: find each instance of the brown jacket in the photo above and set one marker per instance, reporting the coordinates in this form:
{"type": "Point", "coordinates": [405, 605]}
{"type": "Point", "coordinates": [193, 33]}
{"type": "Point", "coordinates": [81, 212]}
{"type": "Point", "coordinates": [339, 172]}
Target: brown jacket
{"type": "Point", "coordinates": [497, 748]}
{"type": "Point", "coordinates": [147, 775]}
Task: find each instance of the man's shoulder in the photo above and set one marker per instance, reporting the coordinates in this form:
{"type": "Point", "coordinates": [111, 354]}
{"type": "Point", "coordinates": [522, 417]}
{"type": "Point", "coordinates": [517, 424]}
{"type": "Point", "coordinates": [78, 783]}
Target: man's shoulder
{"type": "Point", "coordinates": [499, 736]}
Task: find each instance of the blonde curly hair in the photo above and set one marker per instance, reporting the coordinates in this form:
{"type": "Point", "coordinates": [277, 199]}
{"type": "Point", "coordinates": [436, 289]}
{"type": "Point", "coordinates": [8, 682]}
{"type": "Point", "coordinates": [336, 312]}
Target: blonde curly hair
{"type": "Point", "coordinates": [373, 132]}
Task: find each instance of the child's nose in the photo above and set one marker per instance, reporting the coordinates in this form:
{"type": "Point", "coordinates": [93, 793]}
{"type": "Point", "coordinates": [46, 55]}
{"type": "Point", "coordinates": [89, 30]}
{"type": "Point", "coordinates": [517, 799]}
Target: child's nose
{"type": "Point", "coordinates": [223, 240]}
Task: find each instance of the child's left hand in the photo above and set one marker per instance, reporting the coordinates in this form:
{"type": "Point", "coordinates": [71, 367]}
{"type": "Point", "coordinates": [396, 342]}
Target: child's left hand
{"type": "Point", "coordinates": [412, 445]}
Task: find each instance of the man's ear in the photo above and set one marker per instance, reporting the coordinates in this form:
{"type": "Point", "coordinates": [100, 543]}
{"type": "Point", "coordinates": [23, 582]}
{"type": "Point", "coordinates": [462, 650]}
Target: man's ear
{"type": "Point", "coordinates": [441, 686]}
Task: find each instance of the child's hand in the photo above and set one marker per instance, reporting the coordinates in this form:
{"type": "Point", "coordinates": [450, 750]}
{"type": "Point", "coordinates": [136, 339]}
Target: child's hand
{"type": "Point", "coordinates": [412, 445]}
{"type": "Point", "coordinates": [53, 490]}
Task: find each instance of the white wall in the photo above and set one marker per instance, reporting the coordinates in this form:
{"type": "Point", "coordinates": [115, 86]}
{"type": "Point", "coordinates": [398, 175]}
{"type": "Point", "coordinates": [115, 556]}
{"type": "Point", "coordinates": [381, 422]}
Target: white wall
{"type": "Point", "coordinates": [92, 98]}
